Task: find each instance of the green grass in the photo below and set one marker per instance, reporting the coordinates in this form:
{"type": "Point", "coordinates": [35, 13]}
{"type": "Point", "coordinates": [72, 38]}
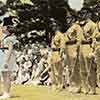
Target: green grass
{"type": "Point", "coordinates": [30, 92]}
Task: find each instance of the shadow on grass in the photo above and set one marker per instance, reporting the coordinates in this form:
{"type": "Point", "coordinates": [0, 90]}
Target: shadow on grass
{"type": "Point", "coordinates": [15, 96]}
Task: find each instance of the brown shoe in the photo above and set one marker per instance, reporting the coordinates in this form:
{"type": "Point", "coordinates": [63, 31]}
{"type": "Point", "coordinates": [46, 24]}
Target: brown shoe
{"type": "Point", "coordinates": [70, 89]}
{"type": "Point", "coordinates": [85, 90]}
{"type": "Point", "coordinates": [75, 90]}
{"type": "Point", "coordinates": [60, 87]}
{"type": "Point", "coordinates": [98, 85]}
{"type": "Point", "coordinates": [92, 92]}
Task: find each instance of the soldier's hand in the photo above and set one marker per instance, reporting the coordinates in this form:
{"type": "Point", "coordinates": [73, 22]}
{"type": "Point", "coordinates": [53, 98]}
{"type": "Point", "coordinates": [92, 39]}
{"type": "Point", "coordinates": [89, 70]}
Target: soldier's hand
{"type": "Point", "coordinates": [91, 55]}
{"type": "Point", "coordinates": [78, 44]}
{"type": "Point", "coordinates": [94, 43]}
{"type": "Point", "coordinates": [61, 52]}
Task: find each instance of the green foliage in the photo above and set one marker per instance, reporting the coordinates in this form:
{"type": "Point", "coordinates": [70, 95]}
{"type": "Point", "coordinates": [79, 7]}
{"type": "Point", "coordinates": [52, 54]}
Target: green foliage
{"type": "Point", "coordinates": [90, 2]}
{"type": "Point", "coordinates": [37, 15]}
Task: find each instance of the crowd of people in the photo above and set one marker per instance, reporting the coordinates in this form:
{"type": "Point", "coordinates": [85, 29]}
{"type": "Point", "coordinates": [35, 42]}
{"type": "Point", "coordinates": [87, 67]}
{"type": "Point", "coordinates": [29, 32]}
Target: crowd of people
{"type": "Point", "coordinates": [72, 60]}
{"type": "Point", "coordinates": [31, 63]}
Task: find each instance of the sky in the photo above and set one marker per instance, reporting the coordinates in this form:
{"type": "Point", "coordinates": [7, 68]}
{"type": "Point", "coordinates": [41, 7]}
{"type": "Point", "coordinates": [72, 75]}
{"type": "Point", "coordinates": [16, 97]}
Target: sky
{"type": "Point", "coordinates": [76, 4]}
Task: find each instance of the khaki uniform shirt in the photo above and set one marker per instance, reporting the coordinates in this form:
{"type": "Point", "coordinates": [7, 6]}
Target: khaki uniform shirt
{"type": "Point", "coordinates": [90, 31]}
{"type": "Point", "coordinates": [74, 32]}
{"type": "Point", "coordinates": [91, 28]}
{"type": "Point", "coordinates": [58, 43]}
{"type": "Point", "coordinates": [98, 36]}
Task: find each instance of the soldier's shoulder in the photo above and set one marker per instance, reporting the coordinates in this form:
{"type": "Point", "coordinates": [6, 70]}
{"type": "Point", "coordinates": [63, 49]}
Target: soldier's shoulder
{"type": "Point", "coordinates": [65, 36]}
{"type": "Point", "coordinates": [92, 22]}
{"type": "Point", "coordinates": [59, 34]}
{"type": "Point", "coordinates": [74, 27]}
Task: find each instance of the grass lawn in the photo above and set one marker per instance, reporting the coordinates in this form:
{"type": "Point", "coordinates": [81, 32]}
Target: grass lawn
{"type": "Point", "coordinates": [30, 92]}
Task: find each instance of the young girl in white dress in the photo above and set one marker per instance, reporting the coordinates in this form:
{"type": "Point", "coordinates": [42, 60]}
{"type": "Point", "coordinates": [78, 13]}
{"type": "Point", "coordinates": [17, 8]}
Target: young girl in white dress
{"type": "Point", "coordinates": [8, 59]}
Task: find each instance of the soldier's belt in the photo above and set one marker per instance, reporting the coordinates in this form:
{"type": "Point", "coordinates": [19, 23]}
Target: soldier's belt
{"type": "Point", "coordinates": [71, 42]}
{"type": "Point", "coordinates": [84, 42]}
{"type": "Point", "coordinates": [55, 49]}
{"type": "Point", "coordinates": [4, 48]}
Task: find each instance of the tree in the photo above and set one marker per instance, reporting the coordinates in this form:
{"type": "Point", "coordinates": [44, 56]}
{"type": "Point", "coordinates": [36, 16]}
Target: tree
{"type": "Point", "coordinates": [38, 16]}
{"type": "Point", "coordinates": [90, 2]}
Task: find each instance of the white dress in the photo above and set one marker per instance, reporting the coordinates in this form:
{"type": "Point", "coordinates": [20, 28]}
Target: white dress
{"type": "Point", "coordinates": [3, 55]}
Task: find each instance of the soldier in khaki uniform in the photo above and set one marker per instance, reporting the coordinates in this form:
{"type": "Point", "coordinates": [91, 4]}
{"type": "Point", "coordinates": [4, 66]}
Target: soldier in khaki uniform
{"type": "Point", "coordinates": [88, 66]}
{"type": "Point", "coordinates": [57, 45]}
{"type": "Point", "coordinates": [74, 36]}
{"type": "Point", "coordinates": [1, 35]}
{"type": "Point", "coordinates": [97, 53]}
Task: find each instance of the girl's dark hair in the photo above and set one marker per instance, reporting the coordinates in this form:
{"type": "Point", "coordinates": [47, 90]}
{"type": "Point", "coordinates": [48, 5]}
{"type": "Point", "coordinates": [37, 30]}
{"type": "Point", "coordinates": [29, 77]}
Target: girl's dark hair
{"type": "Point", "coordinates": [7, 21]}
{"type": "Point", "coordinates": [10, 29]}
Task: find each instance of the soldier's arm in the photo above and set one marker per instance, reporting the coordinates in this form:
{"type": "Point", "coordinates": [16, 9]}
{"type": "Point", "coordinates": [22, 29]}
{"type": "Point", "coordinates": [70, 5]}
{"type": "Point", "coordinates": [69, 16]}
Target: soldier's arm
{"type": "Point", "coordinates": [87, 27]}
{"type": "Point", "coordinates": [95, 35]}
{"type": "Point", "coordinates": [52, 43]}
{"type": "Point", "coordinates": [62, 38]}
{"type": "Point", "coordinates": [80, 33]}
{"type": "Point", "coordinates": [69, 31]}
{"type": "Point", "coordinates": [62, 44]}
{"type": "Point", "coordinates": [96, 32]}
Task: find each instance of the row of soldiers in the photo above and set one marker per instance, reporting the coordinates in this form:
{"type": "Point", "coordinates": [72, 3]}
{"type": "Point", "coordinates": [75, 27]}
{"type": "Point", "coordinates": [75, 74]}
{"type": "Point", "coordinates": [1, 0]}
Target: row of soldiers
{"type": "Point", "coordinates": [81, 45]}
